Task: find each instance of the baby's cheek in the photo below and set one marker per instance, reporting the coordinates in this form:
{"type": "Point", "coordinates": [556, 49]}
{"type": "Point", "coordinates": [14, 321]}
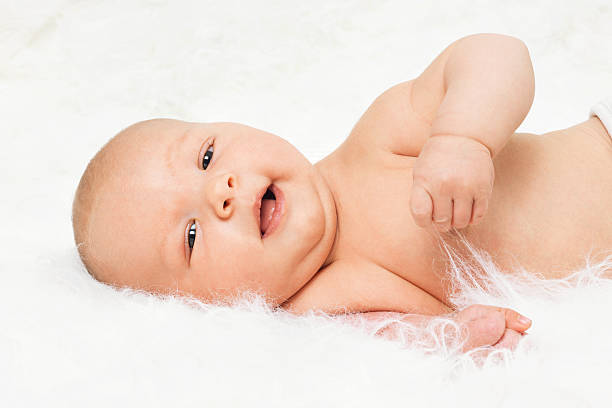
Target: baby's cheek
{"type": "Point", "coordinates": [309, 225]}
{"type": "Point", "coordinates": [245, 270]}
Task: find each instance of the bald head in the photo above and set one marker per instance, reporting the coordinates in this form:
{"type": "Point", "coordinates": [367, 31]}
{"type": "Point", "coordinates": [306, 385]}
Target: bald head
{"type": "Point", "coordinates": [103, 174]}
{"type": "Point", "coordinates": [174, 207]}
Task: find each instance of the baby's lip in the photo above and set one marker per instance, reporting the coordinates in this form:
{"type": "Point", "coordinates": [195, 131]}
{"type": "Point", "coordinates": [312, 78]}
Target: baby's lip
{"type": "Point", "coordinates": [279, 210]}
{"type": "Point", "coordinates": [277, 215]}
{"type": "Point", "coordinates": [257, 208]}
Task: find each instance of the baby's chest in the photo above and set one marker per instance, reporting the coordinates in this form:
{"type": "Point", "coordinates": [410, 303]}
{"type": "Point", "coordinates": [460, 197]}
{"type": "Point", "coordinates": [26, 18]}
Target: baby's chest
{"type": "Point", "coordinates": [376, 223]}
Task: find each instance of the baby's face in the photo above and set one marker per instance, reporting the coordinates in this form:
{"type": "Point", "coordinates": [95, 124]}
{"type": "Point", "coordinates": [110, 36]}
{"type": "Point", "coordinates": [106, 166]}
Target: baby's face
{"type": "Point", "coordinates": [181, 212]}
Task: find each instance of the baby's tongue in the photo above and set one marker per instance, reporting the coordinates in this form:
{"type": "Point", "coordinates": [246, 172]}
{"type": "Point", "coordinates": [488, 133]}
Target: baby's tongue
{"type": "Point", "coordinates": [267, 208]}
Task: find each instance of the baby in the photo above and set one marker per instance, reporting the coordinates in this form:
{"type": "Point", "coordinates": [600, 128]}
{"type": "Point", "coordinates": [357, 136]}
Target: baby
{"type": "Point", "coordinates": [215, 209]}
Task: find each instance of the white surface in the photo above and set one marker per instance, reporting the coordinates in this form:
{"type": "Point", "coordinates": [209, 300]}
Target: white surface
{"type": "Point", "coordinates": [603, 110]}
{"type": "Point", "coordinates": [73, 73]}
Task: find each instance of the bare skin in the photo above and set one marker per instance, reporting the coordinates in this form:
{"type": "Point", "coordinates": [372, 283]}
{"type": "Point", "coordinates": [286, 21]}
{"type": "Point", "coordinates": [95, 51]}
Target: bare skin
{"type": "Point", "coordinates": [349, 239]}
{"type": "Point", "coordinates": [532, 194]}
{"type": "Point", "coordinates": [540, 203]}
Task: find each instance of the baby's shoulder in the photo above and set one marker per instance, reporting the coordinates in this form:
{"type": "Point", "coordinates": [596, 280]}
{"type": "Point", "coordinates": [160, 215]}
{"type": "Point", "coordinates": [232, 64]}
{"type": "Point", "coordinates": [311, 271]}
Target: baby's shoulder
{"type": "Point", "coordinates": [355, 284]}
{"type": "Point", "coordinates": [392, 123]}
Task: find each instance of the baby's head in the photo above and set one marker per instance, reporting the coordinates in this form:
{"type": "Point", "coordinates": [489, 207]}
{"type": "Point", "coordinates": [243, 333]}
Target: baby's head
{"type": "Point", "coordinates": [173, 207]}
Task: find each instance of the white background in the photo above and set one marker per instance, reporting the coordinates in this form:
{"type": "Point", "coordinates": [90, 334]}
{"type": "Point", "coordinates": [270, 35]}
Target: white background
{"type": "Point", "coordinates": [74, 73]}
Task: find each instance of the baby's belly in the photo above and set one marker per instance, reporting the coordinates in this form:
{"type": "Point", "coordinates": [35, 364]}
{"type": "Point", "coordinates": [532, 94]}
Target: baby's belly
{"type": "Point", "coordinates": [551, 203]}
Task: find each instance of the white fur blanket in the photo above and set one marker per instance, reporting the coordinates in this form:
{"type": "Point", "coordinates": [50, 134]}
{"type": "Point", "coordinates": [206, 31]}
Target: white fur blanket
{"type": "Point", "coordinates": [73, 73]}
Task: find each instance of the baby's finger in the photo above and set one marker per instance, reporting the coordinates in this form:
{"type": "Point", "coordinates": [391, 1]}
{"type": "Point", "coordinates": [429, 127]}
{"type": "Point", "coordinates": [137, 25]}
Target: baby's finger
{"type": "Point", "coordinates": [421, 206]}
{"type": "Point", "coordinates": [442, 212]}
{"type": "Point", "coordinates": [509, 340]}
{"type": "Point", "coordinates": [462, 211]}
{"type": "Point", "coordinates": [516, 321]}
{"type": "Point", "coordinates": [484, 331]}
{"type": "Point", "coordinates": [481, 204]}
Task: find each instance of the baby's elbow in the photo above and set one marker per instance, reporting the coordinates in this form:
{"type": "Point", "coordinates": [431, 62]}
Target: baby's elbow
{"type": "Point", "coordinates": [511, 51]}
{"type": "Point", "coordinates": [490, 46]}
{"type": "Point", "coordinates": [496, 46]}
{"type": "Point", "coordinates": [496, 40]}
{"type": "Point", "coordinates": [513, 47]}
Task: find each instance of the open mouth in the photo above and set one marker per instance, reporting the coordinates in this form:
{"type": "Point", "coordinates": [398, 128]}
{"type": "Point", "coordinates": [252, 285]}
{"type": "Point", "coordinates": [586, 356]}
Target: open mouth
{"type": "Point", "coordinates": [266, 210]}
{"type": "Point", "coordinates": [270, 210]}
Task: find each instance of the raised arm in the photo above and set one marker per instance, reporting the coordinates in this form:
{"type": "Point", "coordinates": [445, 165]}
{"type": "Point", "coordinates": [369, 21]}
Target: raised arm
{"type": "Point", "coordinates": [476, 93]}
{"type": "Point", "coordinates": [480, 87]}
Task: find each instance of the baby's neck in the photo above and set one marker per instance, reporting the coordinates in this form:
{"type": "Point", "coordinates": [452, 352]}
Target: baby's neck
{"type": "Point", "coordinates": [326, 168]}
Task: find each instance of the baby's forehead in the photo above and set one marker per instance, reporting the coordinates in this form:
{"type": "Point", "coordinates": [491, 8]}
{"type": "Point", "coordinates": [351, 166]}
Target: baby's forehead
{"type": "Point", "coordinates": [151, 133]}
{"type": "Point", "coordinates": [139, 146]}
{"type": "Point", "coordinates": [129, 196]}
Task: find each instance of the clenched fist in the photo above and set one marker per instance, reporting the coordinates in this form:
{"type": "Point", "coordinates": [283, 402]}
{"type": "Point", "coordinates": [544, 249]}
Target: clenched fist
{"type": "Point", "coordinates": [452, 183]}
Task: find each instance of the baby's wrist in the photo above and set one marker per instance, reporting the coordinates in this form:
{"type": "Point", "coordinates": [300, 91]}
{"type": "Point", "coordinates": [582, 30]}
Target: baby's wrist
{"type": "Point", "coordinates": [464, 140]}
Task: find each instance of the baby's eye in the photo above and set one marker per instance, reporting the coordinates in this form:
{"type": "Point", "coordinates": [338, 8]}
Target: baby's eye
{"type": "Point", "coordinates": [207, 157]}
{"type": "Point", "coordinates": [191, 236]}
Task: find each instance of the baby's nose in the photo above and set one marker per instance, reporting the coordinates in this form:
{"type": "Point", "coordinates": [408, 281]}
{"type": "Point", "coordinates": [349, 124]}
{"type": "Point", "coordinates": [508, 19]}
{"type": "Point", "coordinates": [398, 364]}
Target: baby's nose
{"type": "Point", "coordinates": [221, 193]}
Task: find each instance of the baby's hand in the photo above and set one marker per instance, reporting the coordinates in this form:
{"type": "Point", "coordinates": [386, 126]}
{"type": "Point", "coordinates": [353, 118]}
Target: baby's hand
{"type": "Point", "coordinates": [491, 326]}
{"type": "Point", "coordinates": [452, 183]}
